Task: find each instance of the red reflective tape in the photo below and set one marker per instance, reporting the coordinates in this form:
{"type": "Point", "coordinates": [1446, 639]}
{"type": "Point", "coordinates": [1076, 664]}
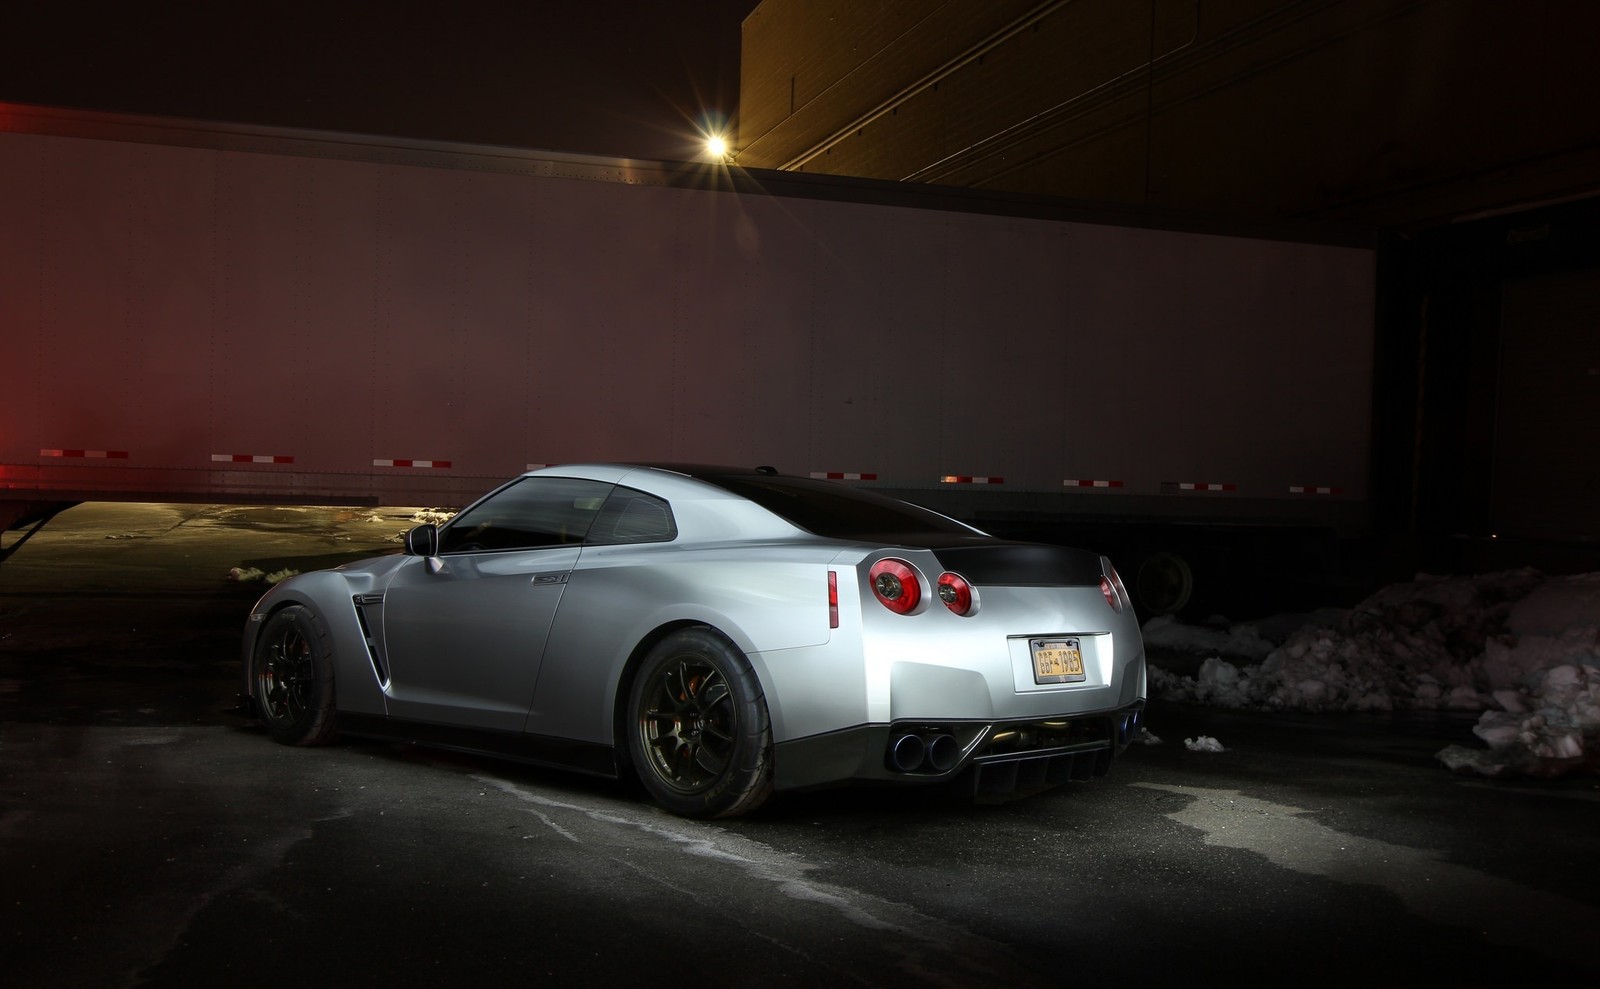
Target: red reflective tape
{"type": "Point", "coordinates": [1314, 489]}
{"type": "Point", "coordinates": [86, 454]}
{"type": "Point", "coordinates": [836, 475]}
{"type": "Point", "coordinates": [249, 458]}
{"type": "Point", "coordinates": [435, 464]}
{"type": "Point", "coordinates": [1091, 484]}
{"type": "Point", "coordinates": [1205, 486]}
{"type": "Point", "coordinates": [968, 479]}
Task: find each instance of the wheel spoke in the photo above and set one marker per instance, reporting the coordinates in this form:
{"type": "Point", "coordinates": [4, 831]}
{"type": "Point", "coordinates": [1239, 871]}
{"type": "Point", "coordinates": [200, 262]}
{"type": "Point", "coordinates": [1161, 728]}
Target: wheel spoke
{"type": "Point", "coordinates": [713, 692]}
{"type": "Point", "coordinates": [712, 762]}
{"type": "Point", "coordinates": [682, 686]}
{"type": "Point", "coordinates": [683, 759]}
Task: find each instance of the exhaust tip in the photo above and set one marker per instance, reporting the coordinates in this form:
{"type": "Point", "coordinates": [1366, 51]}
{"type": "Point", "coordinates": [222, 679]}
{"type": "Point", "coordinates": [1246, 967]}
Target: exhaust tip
{"type": "Point", "coordinates": [943, 753]}
{"type": "Point", "coordinates": [1128, 727]}
{"type": "Point", "coordinates": [906, 752]}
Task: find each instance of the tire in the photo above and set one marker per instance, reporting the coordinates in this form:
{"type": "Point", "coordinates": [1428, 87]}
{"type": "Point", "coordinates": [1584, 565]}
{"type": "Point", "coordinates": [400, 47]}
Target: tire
{"type": "Point", "coordinates": [292, 678]}
{"type": "Point", "coordinates": [699, 735]}
{"type": "Point", "coordinates": [1164, 584]}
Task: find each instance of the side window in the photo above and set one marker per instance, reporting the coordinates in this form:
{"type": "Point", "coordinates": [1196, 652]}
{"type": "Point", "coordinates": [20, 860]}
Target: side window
{"type": "Point", "coordinates": [531, 512]}
{"type": "Point", "coordinates": [631, 516]}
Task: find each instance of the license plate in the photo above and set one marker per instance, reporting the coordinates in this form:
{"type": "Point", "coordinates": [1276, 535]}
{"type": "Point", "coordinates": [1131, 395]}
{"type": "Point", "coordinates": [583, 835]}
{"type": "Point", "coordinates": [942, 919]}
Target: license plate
{"type": "Point", "coordinates": [1057, 660]}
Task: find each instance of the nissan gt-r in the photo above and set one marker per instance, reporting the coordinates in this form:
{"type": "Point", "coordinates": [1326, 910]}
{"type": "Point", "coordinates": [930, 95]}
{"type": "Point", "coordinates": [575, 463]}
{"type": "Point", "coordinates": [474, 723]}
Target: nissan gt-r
{"type": "Point", "coordinates": [722, 634]}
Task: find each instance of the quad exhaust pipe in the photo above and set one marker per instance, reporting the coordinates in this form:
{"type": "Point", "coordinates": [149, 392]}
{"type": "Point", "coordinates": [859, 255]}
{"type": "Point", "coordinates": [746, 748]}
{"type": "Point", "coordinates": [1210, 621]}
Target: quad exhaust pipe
{"type": "Point", "coordinates": [911, 752]}
{"type": "Point", "coordinates": [943, 753]}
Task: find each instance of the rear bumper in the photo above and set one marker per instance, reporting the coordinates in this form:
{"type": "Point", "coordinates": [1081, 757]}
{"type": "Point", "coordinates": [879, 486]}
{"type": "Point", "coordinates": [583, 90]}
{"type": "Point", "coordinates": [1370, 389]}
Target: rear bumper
{"type": "Point", "coordinates": [1000, 756]}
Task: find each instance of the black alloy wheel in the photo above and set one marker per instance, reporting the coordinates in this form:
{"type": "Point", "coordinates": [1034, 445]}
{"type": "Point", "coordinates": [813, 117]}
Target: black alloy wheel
{"type": "Point", "coordinates": [294, 678]}
{"type": "Point", "coordinates": [700, 736]}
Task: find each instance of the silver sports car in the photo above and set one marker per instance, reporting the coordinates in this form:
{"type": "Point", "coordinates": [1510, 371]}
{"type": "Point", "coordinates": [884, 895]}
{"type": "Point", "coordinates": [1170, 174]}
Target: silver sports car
{"type": "Point", "coordinates": [721, 633]}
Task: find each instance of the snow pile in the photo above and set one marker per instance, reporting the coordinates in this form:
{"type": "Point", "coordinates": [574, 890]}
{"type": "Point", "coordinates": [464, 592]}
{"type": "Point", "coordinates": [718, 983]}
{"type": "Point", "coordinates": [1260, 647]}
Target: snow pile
{"type": "Point", "coordinates": [245, 574]}
{"type": "Point", "coordinates": [1203, 743]}
{"type": "Point", "coordinates": [1216, 637]}
{"type": "Point", "coordinates": [1521, 648]}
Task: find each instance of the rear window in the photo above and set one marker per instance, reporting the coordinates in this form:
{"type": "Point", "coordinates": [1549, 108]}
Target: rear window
{"type": "Point", "coordinates": [835, 511]}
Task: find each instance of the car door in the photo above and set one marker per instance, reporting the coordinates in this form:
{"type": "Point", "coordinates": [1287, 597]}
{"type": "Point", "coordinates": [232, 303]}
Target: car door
{"type": "Point", "coordinates": [465, 631]}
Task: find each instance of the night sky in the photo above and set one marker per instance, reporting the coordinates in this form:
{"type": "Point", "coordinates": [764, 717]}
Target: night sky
{"type": "Point", "coordinates": [626, 77]}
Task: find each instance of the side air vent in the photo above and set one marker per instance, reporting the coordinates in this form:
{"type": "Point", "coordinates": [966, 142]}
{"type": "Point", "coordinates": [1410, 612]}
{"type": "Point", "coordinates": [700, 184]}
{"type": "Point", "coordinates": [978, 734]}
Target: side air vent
{"type": "Point", "coordinates": [372, 603]}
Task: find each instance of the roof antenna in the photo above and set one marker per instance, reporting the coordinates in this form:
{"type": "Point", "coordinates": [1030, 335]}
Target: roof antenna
{"type": "Point", "coordinates": [769, 471]}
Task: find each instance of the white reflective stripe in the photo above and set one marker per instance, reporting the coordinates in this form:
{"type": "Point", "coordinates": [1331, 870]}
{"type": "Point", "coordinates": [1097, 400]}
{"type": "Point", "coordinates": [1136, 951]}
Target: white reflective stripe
{"type": "Point", "coordinates": [86, 454]}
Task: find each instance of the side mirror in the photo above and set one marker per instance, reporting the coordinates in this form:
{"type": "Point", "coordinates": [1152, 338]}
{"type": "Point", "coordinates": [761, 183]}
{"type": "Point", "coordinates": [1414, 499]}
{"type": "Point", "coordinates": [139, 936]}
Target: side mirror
{"type": "Point", "coordinates": [423, 541]}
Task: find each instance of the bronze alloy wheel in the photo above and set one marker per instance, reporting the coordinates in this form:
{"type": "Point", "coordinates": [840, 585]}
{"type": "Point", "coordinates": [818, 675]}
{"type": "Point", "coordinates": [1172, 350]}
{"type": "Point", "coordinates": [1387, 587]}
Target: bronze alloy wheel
{"type": "Point", "coordinates": [700, 737]}
{"type": "Point", "coordinates": [688, 724]}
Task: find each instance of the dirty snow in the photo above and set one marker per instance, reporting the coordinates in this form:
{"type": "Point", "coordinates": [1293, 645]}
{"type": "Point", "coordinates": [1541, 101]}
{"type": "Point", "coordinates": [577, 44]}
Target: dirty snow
{"type": "Point", "coordinates": [247, 574]}
{"type": "Point", "coordinates": [433, 516]}
{"type": "Point", "coordinates": [425, 516]}
{"type": "Point", "coordinates": [1520, 647]}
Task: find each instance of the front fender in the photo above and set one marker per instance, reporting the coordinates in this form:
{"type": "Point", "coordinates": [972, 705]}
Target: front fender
{"type": "Point", "coordinates": [329, 594]}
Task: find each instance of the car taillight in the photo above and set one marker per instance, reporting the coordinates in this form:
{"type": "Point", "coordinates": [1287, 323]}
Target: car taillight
{"type": "Point", "coordinates": [956, 593]}
{"type": "Point", "coordinates": [833, 599]}
{"type": "Point", "coordinates": [1110, 593]}
{"type": "Point", "coordinates": [1111, 586]}
{"type": "Point", "coordinates": [895, 585]}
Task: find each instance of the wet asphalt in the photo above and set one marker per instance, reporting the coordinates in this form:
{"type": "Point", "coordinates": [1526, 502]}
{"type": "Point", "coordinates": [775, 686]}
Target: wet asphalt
{"type": "Point", "coordinates": [148, 836]}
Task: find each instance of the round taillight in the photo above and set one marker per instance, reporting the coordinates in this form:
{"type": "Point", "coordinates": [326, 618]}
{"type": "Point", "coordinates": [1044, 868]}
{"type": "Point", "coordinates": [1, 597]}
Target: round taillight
{"type": "Point", "coordinates": [1109, 592]}
{"type": "Point", "coordinates": [1115, 594]}
{"type": "Point", "coordinates": [895, 585]}
{"type": "Point", "coordinates": [956, 593]}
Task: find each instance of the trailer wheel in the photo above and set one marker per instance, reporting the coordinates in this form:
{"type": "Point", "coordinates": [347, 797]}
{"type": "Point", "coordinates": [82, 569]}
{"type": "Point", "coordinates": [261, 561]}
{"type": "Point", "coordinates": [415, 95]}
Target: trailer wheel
{"type": "Point", "coordinates": [1164, 584]}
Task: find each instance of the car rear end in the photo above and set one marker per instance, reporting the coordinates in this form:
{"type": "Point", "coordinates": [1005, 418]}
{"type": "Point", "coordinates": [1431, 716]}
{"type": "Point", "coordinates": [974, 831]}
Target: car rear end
{"type": "Point", "coordinates": [1009, 666]}
{"type": "Point", "coordinates": [1021, 663]}
{"type": "Point", "coordinates": [949, 651]}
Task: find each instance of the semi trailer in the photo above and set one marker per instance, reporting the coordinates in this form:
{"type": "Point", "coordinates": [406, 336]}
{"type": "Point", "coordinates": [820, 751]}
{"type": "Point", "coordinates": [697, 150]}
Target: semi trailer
{"type": "Point", "coordinates": [210, 312]}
